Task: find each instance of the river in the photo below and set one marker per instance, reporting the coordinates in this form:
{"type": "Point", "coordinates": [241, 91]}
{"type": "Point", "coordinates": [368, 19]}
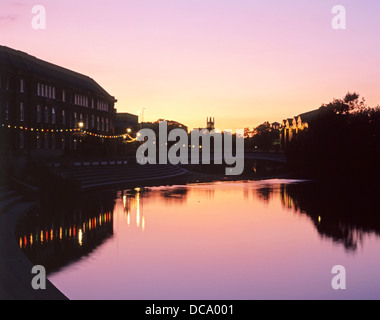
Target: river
{"type": "Point", "coordinates": [274, 239]}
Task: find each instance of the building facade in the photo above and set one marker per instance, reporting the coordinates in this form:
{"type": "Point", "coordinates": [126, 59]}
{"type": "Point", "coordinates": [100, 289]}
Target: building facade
{"type": "Point", "coordinates": [43, 105]}
{"type": "Point", "coordinates": [291, 127]}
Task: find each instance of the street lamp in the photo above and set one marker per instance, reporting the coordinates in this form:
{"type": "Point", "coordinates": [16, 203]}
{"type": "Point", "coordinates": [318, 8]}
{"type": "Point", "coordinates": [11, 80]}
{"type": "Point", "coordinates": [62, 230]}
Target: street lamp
{"type": "Point", "coordinates": [129, 130]}
{"type": "Point", "coordinates": [81, 124]}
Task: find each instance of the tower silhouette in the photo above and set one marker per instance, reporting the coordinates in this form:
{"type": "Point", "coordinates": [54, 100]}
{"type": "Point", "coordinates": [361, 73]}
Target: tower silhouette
{"type": "Point", "coordinates": [210, 123]}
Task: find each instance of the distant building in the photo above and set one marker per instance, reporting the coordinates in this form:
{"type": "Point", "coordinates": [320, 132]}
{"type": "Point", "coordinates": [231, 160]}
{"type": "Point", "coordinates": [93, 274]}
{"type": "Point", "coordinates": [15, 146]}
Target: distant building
{"type": "Point", "coordinates": [125, 121]}
{"type": "Point", "coordinates": [41, 104]}
{"type": "Point", "coordinates": [276, 126]}
{"type": "Point", "coordinates": [210, 124]}
{"type": "Point", "coordinates": [291, 127]}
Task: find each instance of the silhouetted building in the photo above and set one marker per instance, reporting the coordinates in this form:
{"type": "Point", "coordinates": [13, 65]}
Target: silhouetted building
{"type": "Point", "coordinates": [276, 126]}
{"type": "Point", "coordinates": [126, 122]}
{"type": "Point", "coordinates": [291, 127]}
{"type": "Point", "coordinates": [211, 123]}
{"type": "Point", "coordinates": [42, 104]}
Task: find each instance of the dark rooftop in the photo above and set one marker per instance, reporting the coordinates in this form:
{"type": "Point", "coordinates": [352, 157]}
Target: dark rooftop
{"type": "Point", "coordinates": [51, 72]}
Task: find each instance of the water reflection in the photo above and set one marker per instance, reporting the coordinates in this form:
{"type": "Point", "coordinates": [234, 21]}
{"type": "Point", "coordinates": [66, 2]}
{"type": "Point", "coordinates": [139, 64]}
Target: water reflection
{"type": "Point", "coordinates": [342, 213]}
{"type": "Point", "coordinates": [55, 237]}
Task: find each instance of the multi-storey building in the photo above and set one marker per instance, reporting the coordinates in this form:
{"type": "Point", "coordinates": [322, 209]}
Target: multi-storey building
{"type": "Point", "coordinates": [42, 105]}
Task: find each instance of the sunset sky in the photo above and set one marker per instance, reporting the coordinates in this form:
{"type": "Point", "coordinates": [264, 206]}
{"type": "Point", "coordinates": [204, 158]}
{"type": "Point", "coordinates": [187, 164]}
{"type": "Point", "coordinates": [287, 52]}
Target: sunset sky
{"type": "Point", "coordinates": [240, 61]}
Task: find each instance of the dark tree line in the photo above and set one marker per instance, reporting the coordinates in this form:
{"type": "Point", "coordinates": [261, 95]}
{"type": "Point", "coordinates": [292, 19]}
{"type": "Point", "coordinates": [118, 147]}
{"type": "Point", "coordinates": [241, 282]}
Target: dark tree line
{"type": "Point", "coordinates": [343, 141]}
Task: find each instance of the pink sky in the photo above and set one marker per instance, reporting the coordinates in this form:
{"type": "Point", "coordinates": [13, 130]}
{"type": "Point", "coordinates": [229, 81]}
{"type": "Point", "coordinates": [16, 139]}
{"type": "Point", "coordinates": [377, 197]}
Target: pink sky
{"type": "Point", "coordinates": [242, 62]}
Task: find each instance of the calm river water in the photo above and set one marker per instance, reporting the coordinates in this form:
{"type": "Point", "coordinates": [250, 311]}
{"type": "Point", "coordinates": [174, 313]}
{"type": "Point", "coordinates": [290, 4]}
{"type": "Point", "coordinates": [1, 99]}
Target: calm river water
{"type": "Point", "coordinates": [276, 239]}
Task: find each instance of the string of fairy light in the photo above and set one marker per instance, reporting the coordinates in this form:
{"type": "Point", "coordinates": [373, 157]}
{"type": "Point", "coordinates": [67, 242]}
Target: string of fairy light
{"type": "Point", "coordinates": [79, 130]}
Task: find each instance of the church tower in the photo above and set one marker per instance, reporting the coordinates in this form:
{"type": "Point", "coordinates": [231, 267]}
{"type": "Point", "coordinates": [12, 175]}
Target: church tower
{"type": "Point", "coordinates": [210, 124]}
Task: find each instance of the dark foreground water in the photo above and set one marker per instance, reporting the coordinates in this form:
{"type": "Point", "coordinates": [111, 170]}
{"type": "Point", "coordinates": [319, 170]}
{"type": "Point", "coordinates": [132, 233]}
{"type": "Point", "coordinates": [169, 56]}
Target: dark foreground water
{"type": "Point", "coordinates": [275, 239]}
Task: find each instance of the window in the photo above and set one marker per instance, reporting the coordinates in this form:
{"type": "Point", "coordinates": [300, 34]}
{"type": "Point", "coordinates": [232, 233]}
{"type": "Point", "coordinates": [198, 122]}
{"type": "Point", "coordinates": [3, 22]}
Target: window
{"type": "Point", "coordinates": [53, 93]}
{"type": "Point", "coordinates": [38, 114]}
{"type": "Point", "coordinates": [46, 141]}
{"type": "Point", "coordinates": [46, 115]}
{"type": "Point", "coordinates": [92, 122]}
{"type": "Point", "coordinates": [97, 123]}
{"type": "Point", "coordinates": [75, 120]}
{"type": "Point", "coordinates": [38, 141]}
{"type": "Point", "coordinates": [107, 124]}
{"type": "Point", "coordinates": [53, 116]}
{"type": "Point", "coordinates": [38, 89]}
{"type": "Point", "coordinates": [46, 91]}
{"type": "Point", "coordinates": [63, 95]}
{"type": "Point", "coordinates": [102, 124]}
{"type": "Point", "coordinates": [50, 93]}
{"type": "Point", "coordinates": [7, 111]}
{"type": "Point", "coordinates": [22, 85]}
{"type": "Point", "coordinates": [53, 141]}
{"type": "Point", "coordinates": [63, 118]}
{"type": "Point", "coordinates": [86, 125]}
{"type": "Point", "coordinates": [22, 140]}
{"type": "Point", "coordinates": [22, 112]}
{"type": "Point", "coordinates": [63, 142]}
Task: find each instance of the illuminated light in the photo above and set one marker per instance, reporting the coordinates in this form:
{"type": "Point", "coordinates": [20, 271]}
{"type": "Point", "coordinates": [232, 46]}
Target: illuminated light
{"type": "Point", "coordinates": [138, 210]}
{"type": "Point", "coordinates": [124, 201]}
{"type": "Point", "coordinates": [84, 227]}
{"type": "Point", "coordinates": [74, 231]}
{"type": "Point", "coordinates": [80, 237]}
{"type": "Point", "coordinates": [128, 219]}
{"type": "Point", "coordinates": [319, 219]}
{"type": "Point", "coordinates": [100, 219]}
{"type": "Point", "coordinates": [51, 234]}
{"type": "Point", "coordinates": [143, 224]}
{"type": "Point", "coordinates": [20, 243]}
{"type": "Point", "coordinates": [60, 233]}
{"type": "Point", "coordinates": [137, 189]}
{"type": "Point", "coordinates": [89, 224]}
{"type": "Point", "coordinates": [25, 241]}
{"type": "Point", "coordinates": [31, 239]}
{"type": "Point", "coordinates": [70, 232]}
{"type": "Point", "coordinates": [81, 124]}
{"type": "Point", "coordinates": [42, 237]}
{"type": "Point", "coordinates": [47, 236]}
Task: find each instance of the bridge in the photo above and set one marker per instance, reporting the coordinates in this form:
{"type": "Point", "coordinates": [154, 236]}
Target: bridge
{"type": "Point", "coordinates": [269, 156]}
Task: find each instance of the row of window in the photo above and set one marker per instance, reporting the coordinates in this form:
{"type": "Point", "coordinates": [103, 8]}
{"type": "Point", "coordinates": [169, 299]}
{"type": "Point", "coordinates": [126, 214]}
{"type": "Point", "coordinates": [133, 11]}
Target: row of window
{"type": "Point", "coordinates": [43, 90]}
{"type": "Point", "coordinates": [47, 141]}
{"type": "Point", "coordinates": [101, 105]}
{"type": "Point", "coordinates": [50, 117]}
{"type": "Point", "coordinates": [47, 91]}
{"type": "Point", "coordinates": [81, 100]}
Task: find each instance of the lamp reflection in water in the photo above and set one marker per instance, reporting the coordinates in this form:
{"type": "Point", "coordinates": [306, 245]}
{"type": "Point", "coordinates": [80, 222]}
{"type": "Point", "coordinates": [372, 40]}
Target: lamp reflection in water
{"type": "Point", "coordinates": [132, 202]}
